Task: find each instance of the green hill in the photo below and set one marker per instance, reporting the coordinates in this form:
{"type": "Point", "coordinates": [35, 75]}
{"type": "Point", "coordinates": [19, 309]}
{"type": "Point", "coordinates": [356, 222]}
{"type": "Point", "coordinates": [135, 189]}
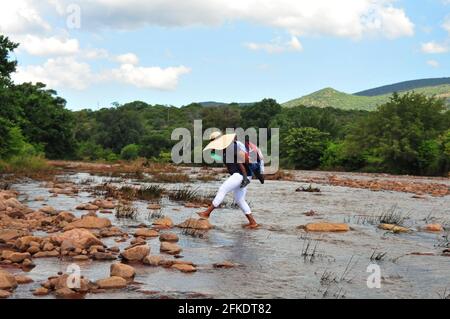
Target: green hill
{"type": "Point", "coordinates": [332, 98]}
{"type": "Point", "coordinates": [404, 86]}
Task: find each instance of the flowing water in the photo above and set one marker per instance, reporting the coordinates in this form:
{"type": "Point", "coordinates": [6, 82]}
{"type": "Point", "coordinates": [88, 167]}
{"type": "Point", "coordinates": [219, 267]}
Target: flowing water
{"type": "Point", "coordinates": [275, 261]}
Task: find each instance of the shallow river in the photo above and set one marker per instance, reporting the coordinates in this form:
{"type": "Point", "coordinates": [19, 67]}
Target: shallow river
{"type": "Point", "coordinates": [271, 259]}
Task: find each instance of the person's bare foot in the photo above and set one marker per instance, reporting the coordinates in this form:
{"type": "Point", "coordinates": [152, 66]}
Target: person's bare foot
{"type": "Point", "coordinates": [204, 215]}
{"type": "Point", "coordinates": [251, 226]}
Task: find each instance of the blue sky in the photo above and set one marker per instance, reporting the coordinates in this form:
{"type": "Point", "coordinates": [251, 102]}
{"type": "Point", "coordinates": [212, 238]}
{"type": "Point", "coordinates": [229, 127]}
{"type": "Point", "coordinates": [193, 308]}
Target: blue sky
{"type": "Point", "coordinates": [176, 52]}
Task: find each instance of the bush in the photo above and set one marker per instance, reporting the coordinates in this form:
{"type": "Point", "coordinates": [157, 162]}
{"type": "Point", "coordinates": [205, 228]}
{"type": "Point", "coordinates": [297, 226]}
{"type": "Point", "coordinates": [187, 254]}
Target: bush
{"type": "Point", "coordinates": [305, 147]}
{"type": "Point", "coordinates": [130, 152]}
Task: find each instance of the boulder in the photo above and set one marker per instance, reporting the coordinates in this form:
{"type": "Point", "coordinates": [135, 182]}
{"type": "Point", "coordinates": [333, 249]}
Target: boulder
{"type": "Point", "coordinates": [67, 293]}
{"type": "Point", "coordinates": [137, 253]}
{"type": "Point", "coordinates": [23, 243]}
{"type": "Point", "coordinates": [154, 207]}
{"type": "Point", "coordinates": [87, 207]}
{"type": "Point", "coordinates": [433, 228]}
{"type": "Point", "coordinates": [41, 292]}
{"type": "Point", "coordinates": [198, 224]}
{"type": "Point", "coordinates": [13, 203]}
{"type": "Point", "coordinates": [49, 210]}
{"type": "Point", "coordinates": [4, 294]}
{"type": "Point", "coordinates": [90, 222]}
{"type": "Point", "coordinates": [165, 222]}
{"type": "Point", "coordinates": [103, 256]}
{"type": "Point", "coordinates": [7, 281]}
{"type": "Point", "coordinates": [147, 233]}
{"type": "Point", "coordinates": [169, 237]}
{"type": "Point", "coordinates": [66, 216]}
{"type": "Point", "coordinates": [19, 257]}
{"type": "Point", "coordinates": [7, 235]}
{"type": "Point", "coordinates": [104, 204]}
{"type": "Point", "coordinates": [170, 248]}
{"type": "Point", "coordinates": [327, 227]}
{"type": "Point", "coordinates": [153, 261]}
{"type": "Point", "coordinates": [112, 283]}
{"type": "Point", "coordinates": [78, 238]}
{"type": "Point", "coordinates": [46, 254]}
{"type": "Point", "coordinates": [186, 268]}
{"type": "Point", "coordinates": [23, 280]}
{"type": "Point", "coordinates": [122, 270]}
{"type": "Point", "coordinates": [393, 228]}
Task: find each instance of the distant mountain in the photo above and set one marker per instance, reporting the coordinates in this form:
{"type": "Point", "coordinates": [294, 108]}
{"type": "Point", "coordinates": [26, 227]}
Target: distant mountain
{"type": "Point", "coordinates": [332, 98]}
{"type": "Point", "coordinates": [219, 104]}
{"type": "Point", "coordinates": [404, 86]}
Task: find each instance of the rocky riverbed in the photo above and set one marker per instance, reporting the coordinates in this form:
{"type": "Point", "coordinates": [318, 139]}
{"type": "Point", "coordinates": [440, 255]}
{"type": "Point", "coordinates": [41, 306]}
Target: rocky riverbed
{"type": "Point", "coordinates": [137, 237]}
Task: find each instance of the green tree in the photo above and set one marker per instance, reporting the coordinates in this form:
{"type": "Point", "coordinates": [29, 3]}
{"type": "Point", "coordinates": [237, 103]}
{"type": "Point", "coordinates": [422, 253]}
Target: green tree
{"type": "Point", "coordinates": [398, 136]}
{"type": "Point", "coordinates": [130, 152]}
{"type": "Point", "coordinates": [304, 147]}
{"type": "Point", "coordinates": [259, 115]}
{"type": "Point", "coordinates": [46, 121]}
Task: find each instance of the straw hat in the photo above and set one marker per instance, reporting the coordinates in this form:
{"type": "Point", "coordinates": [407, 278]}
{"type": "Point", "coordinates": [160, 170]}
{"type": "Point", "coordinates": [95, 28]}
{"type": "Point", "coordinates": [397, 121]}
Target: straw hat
{"type": "Point", "coordinates": [215, 135]}
{"type": "Point", "coordinates": [221, 142]}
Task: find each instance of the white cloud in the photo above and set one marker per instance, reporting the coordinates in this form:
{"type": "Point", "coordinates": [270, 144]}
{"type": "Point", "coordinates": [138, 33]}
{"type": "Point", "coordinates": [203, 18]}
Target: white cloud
{"type": "Point", "coordinates": [57, 73]}
{"type": "Point", "coordinates": [128, 58]}
{"type": "Point", "coordinates": [345, 18]}
{"type": "Point", "coordinates": [276, 46]}
{"type": "Point", "coordinates": [67, 72]}
{"type": "Point", "coordinates": [446, 24]}
{"type": "Point", "coordinates": [43, 46]}
{"type": "Point", "coordinates": [21, 17]}
{"type": "Point", "coordinates": [434, 48]}
{"type": "Point", "coordinates": [433, 63]}
{"type": "Point", "coordinates": [149, 77]}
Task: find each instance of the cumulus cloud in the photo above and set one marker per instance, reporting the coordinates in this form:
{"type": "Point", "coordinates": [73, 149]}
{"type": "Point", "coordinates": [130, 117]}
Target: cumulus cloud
{"type": "Point", "coordinates": [58, 72]}
{"type": "Point", "coordinates": [21, 17]}
{"type": "Point", "coordinates": [433, 63]}
{"type": "Point", "coordinates": [45, 46]}
{"type": "Point", "coordinates": [434, 47]}
{"type": "Point", "coordinates": [345, 18]}
{"type": "Point", "coordinates": [128, 58]}
{"type": "Point", "coordinates": [149, 77]}
{"type": "Point", "coordinates": [68, 72]}
{"type": "Point", "coordinates": [446, 24]}
{"type": "Point", "coordinates": [276, 46]}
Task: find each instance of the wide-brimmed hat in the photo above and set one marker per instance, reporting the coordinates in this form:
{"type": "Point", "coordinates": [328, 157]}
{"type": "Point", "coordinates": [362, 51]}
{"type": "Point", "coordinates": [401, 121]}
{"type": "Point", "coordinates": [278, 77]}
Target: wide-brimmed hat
{"type": "Point", "coordinates": [215, 135]}
{"type": "Point", "coordinates": [221, 143]}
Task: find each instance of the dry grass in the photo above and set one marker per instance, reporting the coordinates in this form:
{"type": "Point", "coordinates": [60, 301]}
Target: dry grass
{"type": "Point", "coordinates": [280, 176]}
{"type": "Point", "coordinates": [170, 178]}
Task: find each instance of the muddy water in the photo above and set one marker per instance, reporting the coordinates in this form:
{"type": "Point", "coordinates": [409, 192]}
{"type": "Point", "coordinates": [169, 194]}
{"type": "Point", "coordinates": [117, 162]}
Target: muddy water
{"type": "Point", "coordinates": [270, 259]}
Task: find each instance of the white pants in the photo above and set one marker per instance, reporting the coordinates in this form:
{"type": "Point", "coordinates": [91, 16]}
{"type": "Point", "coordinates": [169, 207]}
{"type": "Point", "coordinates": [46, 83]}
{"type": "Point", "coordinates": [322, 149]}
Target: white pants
{"type": "Point", "coordinates": [233, 184]}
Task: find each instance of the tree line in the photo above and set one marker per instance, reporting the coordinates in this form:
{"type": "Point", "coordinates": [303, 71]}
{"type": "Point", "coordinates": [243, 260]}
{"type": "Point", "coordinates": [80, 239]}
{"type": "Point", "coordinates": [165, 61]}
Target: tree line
{"type": "Point", "coordinates": [408, 135]}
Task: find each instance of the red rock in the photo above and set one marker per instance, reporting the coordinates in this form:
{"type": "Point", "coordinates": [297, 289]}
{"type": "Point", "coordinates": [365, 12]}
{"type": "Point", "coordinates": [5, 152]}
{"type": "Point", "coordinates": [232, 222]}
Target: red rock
{"type": "Point", "coordinates": [184, 268]}
{"type": "Point", "coordinates": [165, 222]}
{"type": "Point", "coordinates": [112, 283]}
{"type": "Point", "coordinates": [122, 270]}
{"type": "Point", "coordinates": [169, 237]}
{"type": "Point", "coordinates": [170, 248]}
{"type": "Point", "coordinates": [327, 227]}
{"type": "Point", "coordinates": [90, 222]}
{"type": "Point", "coordinates": [137, 253]}
{"type": "Point", "coordinates": [147, 233]}
{"type": "Point", "coordinates": [434, 227]}
{"type": "Point", "coordinates": [199, 224]}
{"type": "Point", "coordinates": [79, 238]}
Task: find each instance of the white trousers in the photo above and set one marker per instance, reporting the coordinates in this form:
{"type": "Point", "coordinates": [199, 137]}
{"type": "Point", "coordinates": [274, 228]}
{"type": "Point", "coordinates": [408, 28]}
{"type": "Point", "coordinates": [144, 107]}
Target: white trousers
{"type": "Point", "coordinates": [233, 184]}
